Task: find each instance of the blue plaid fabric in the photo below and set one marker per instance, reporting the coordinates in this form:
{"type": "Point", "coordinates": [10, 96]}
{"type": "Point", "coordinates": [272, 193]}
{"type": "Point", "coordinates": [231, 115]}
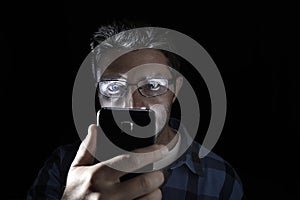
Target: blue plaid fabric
{"type": "Point", "coordinates": [208, 178]}
{"type": "Point", "coordinates": [189, 177]}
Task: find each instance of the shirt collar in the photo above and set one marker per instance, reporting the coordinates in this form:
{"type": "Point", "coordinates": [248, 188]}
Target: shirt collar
{"type": "Point", "coordinates": [190, 158]}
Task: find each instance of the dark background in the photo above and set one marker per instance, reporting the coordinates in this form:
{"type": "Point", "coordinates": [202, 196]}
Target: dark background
{"type": "Point", "coordinates": [43, 45]}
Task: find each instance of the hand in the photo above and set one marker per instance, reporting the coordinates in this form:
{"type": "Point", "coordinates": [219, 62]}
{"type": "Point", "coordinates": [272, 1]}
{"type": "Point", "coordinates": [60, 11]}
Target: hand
{"type": "Point", "coordinates": [99, 181]}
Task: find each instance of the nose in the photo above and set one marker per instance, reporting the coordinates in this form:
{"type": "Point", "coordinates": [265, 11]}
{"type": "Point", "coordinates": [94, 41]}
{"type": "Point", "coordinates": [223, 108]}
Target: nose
{"type": "Point", "coordinates": [129, 101]}
{"type": "Point", "coordinates": [132, 98]}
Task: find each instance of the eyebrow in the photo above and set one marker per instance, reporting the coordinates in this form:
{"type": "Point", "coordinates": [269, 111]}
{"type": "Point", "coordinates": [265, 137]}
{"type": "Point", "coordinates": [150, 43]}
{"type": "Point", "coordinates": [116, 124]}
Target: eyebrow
{"type": "Point", "coordinates": [111, 77]}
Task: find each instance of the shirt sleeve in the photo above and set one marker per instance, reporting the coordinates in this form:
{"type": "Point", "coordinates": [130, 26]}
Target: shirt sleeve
{"type": "Point", "coordinates": [51, 179]}
{"type": "Point", "coordinates": [232, 188]}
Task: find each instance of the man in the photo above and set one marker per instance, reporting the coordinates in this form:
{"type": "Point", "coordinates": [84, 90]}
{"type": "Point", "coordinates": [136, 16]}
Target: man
{"type": "Point", "coordinates": [141, 76]}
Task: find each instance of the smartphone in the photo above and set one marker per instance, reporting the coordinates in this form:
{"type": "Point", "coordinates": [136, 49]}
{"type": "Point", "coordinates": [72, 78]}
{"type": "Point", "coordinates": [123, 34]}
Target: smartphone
{"type": "Point", "coordinates": [128, 129]}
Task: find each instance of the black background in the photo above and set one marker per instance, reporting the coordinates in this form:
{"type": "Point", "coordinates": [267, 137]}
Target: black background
{"type": "Point", "coordinates": [43, 45]}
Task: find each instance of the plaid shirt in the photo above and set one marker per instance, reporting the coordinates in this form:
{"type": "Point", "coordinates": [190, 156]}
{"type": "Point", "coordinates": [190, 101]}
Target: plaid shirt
{"type": "Point", "coordinates": [189, 177]}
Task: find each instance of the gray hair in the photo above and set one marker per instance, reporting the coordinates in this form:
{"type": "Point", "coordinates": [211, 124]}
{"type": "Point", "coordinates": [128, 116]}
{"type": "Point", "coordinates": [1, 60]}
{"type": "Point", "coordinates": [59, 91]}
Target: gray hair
{"type": "Point", "coordinates": [116, 36]}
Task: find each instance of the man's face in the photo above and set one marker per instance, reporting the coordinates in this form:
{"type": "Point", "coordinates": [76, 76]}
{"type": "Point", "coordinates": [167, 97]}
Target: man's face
{"type": "Point", "coordinates": [137, 68]}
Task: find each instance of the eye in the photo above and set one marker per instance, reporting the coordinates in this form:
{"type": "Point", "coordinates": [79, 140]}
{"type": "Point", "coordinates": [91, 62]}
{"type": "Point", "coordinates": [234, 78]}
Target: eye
{"type": "Point", "coordinates": [112, 88]}
{"type": "Point", "coordinates": [153, 85]}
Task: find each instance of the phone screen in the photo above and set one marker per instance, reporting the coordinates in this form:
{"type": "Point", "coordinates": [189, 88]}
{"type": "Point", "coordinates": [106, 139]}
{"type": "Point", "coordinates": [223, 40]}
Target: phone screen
{"type": "Point", "coordinates": [128, 128]}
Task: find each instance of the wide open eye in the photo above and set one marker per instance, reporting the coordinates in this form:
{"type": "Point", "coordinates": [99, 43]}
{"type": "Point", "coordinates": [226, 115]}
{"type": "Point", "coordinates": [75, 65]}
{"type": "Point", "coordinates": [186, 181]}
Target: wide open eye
{"type": "Point", "coordinates": [153, 87]}
{"type": "Point", "coordinates": [112, 89]}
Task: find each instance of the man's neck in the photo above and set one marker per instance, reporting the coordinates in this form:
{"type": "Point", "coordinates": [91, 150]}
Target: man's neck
{"type": "Point", "coordinates": [168, 137]}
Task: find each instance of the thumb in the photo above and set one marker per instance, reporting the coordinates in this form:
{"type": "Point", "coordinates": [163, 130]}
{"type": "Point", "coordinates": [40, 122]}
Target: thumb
{"type": "Point", "coordinates": [87, 148]}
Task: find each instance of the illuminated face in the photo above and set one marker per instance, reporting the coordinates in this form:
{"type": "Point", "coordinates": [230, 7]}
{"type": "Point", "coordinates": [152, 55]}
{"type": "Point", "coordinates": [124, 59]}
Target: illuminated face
{"type": "Point", "coordinates": [140, 79]}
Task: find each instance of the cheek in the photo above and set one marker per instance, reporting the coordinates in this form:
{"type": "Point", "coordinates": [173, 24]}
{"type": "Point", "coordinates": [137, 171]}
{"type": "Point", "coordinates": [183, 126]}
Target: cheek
{"type": "Point", "coordinates": [161, 107]}
{"type": "Point", "coordinates": [107, 102]}
{"type": "Point", "coordinates": [164, 101]}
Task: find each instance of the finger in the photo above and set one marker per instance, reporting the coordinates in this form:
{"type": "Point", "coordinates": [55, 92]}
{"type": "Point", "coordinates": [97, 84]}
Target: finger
{"type": "Point", "coordinates": [156, 194]}
{"type": "Point", "coordinates": [151, 148]}
{"type": "Point", "coordinates": [87, 148]}
{"type": "Point", "coordinates": [141, 185]}
{"type": "Point", "coordinates": [123, 164]}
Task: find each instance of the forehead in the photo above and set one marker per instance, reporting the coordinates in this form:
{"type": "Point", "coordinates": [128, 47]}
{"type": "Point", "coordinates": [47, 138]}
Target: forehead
{"type": "Point", "coordinates": [138, 64]}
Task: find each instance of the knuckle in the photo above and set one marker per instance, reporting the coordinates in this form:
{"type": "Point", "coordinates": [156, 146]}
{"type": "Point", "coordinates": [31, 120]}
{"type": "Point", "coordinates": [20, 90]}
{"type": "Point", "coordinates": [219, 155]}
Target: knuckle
{"type": "Point", "coordinates": [159, 194]}
{"type": "Point", "coordinates": [145, 183]}
{"type": "Point", "coordinates": [92, 178]}
{"type": "Point", "coordinates": [96, 175]}
{"type": "Point", "coordinates": [156, 194]}
{"type": "Point", "coordinates": [160, 176]}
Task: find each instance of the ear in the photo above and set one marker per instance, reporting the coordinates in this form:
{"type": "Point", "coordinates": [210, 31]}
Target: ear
{"type": "Point", "coordinates": [178, 84]}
